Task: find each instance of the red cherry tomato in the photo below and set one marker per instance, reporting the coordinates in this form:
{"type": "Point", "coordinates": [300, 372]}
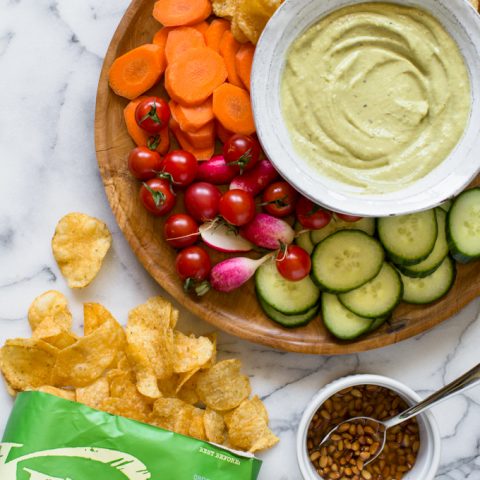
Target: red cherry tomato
{"type": "Point", "coordinates": [182, 167]}
{"type": "Point", "coordinates": [157, 196]}
{"type": "Point", "coordinates": [181, 230]}
{"type": "Point", "coordinates": [241, 152]}
{"type": "Point", "coordinates": [279, 199]}
{"type": "Point", "coordinates": [193, 263]}
{"type": "Point", "coordinates": [237, 207]}
{"type": "Point", "coordinates": [310, 215]}
{"type": "Point", "coordinates": [294, 263]}
{"type": "Point", "coordinates": [348, 218]}
{"type": "Point", "coordinates": [153, 114]}
{"type": "Point", "coordinates": [202, 201]}
{"type": "Point", "coordinates": [143, 163]}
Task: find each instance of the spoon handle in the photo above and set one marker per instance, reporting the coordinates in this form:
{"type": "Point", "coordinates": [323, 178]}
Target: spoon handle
{"type": "Point", "coordinates": [467, 380]}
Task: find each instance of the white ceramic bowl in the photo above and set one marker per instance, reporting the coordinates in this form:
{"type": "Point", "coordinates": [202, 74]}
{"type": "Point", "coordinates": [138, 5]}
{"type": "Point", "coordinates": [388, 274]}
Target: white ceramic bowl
{"type": "Point", "coordinates": [428, 457]}
{"type": "Point", "coordinates": [449, 178]}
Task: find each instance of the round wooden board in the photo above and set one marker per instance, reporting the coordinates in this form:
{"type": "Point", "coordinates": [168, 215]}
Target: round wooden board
{"type": "Point", "coordinates": [237, 313]}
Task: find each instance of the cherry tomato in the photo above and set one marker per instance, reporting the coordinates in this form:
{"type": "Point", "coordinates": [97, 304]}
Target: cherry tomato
{"type": "Point", "coordinates": [143, 163]}
{"type": "Point", "coordinates": [202, 201]}
{"type": "Point", "coordinates": [181, 166]}
{"type": "Point", "coordinates": [153, 114]}
{"type": "Point", "coordinates": [348, 218]}
{"type": "Point", "coordinates": [294, 263]}
{"type": "Point", "coordinates": [310, 215]}
{"type": "Point", "coordinates": [157, 196]}
{"type": "Point", "coordinates": [237, 207]}
{"type": "Point", "coordinates": [279, 199]}
{"type": "Point", "coordinates": [241, 152]}
{"type": "Point", "coordinates": [193, 263]}
{"type": "Point", "coordinates": [181, 230]}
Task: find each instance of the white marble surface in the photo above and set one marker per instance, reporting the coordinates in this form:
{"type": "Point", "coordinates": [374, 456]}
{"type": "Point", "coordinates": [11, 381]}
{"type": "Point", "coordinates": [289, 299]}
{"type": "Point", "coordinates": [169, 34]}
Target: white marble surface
{"type": "Point", "coordinates": [50, 58]}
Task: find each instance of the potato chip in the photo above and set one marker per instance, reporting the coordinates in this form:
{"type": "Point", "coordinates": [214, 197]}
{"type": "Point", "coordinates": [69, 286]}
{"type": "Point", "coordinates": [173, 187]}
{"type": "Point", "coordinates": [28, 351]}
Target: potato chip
{"type": "Point", "coordinates": [197, 427]}
{"type": "Point", "coordinates": [125, 408]}
{"type": "Point", "coordinates": [85, 361]}
{"type": "Point", "coordinates": [79, 246]}
{"type": "Point", "coordinates": [58, 392]}
{"type": "Point", "coordinates": [27, 363]}
{"type": "Point", "coordinates": [224, 8]}
{"type": "Point", "coordinates": [94, 394]}
{"type": "Point", "coordinates": [186, 388]}
{"type": "Point", "coordinates": [223, 387]}
{"type": "Point", "coordinates": [94, 315]}
{"type": "Point", "coordinates": [213, 360]}
{"type": "Point", "coordinates": [177, 416]}
{"type": "Point", "coordinates": [214, 426]}
{"type": "Point", "coordinates": [51, 304]}
{"type": "Point", "coordinates": [190, 352]}
{"type": "Point", "coordinates": [51, 332]}
{"type": "Point", "coordinates": [237, 31]}
{"type": "Point", "coordinates": [145, 376]}
{"type": "Point", "coordinates": [248, 429]}
{"type": "Point", "coordinates": [251, 25]}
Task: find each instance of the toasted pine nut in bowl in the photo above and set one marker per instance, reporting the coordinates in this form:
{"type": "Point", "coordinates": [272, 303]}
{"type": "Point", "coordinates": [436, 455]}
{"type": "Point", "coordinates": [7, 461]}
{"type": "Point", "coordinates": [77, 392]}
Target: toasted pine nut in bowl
{"type": "Point", "coordinates": [412, 450]}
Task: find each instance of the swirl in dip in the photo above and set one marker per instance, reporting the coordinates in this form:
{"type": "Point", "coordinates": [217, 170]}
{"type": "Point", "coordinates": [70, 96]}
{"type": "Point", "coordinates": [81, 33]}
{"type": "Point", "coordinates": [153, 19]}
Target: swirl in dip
{"type": "Point", "coordinates": [375, 95]}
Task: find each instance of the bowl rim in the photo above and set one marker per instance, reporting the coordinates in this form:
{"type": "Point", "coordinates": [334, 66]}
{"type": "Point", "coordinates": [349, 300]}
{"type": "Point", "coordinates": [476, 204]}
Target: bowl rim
{"type": "Point", "coordinates": [433, 446]}
{"type": "Point", "coordinates": [442, 183]}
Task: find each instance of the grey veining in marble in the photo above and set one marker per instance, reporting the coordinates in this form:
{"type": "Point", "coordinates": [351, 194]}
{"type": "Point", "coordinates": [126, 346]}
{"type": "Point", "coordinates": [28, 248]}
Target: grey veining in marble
{"type": "Point", "coordinates": [50, 58]}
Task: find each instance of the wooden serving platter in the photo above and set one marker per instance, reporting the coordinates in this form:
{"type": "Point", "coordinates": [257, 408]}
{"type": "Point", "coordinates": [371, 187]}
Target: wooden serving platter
{"type": "Point", "coordinates": [239, 312]}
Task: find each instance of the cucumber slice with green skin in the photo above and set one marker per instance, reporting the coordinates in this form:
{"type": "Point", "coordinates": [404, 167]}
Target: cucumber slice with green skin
{"type": "Point", "coordinates": [290, 298]}
{"type": "Point", "coordinates": [303, 240]}
{"type": "Point", "coordinates": [446, 205]}
{"type": "Point", "coordinates": [289, 321]}
{"type": "Point", "coordinates": [378, 297]}
{"type": "Point", "coordinates": [341, 322]}
{"type": "Point", "coordinates": [439, 252]}
{"type": "Point", "coordinates": [377, 323]}
{"type": "Point", "coordinates": [365, 224]}
{"type": "Point", "coordinates": [421, 291]}
{"type": "Point", "coordinates": [408, 239]}
{"type": "Point", "coordinates": [346, 260]}
{"type": "Point", "coordinates": [463, 226]}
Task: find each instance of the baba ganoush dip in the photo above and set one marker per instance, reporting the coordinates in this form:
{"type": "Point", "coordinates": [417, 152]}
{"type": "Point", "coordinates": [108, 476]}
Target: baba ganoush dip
{"type": "Point", "coordinates": [375, 95]}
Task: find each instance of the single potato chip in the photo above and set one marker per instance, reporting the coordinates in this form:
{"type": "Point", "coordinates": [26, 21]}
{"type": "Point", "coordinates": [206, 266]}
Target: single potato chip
{"type": "Point", "coordinates": [145, 375]}
{"type": "Point", "coordinates": [53, 305]}
{"type": "Point", "coordinates": [197, 427]}
{"type": "Point", "coordinates": [51, 332]}
{"type": "Point", "coordinates": [224, 8]}
{"type": "Point", "coordinates": [223, 387]}
{"type": "Point", "coordinates": [85, 361]}
{"type": "Point", "coordinates": [177, 416]}
{"type": "Point", "coordinates": [94, 315]}
{"type": "Point", "coordinates": [79, 246]}
{"type": "Point", "coordinates": [251, 25]}
{"type": "Point", "coordinates": [93, 395]}
{"type": "Point", "coordinates": [237, 31]}
{"type": "Point", "coordinates": [190, 352]}
{"type": "Point", "coordinates": [248, 429]}
{"type": "Point", "coordinates": [58, 392]}
{"type": "Point", "coordinates": [214, 426]}
{"type": "Point", "coordinates": [125, 408]}
{"type": "Point", "coordinates": [27, 364]}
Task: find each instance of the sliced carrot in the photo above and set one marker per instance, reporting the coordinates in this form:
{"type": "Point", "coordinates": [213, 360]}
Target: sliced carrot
{"type": "Point", "coordinates": [244, 61]}
{"type": "Point", "coordinates": [192, 119]}
{"type": "Point", "coordinates": [233, 109]}
{"type": "Point", "coordinates": [215, 33]}
{"type": "Point", "coordinates": [182, 139]}
{"type": "Point", "coordinates": [202, 27]}
{"type": "Point", "coordinates": [194, 76]}
{"type": "Point", "coordinates": [203, 138]}
{"type": "Point", "coordinates": [140, 136]}
{"type": "Point", "coordinates": [228, 50]}
{"type": "Point", "coordinates": [222, 133]}
{"type": "Point", "coordinates": [160, 38]}
{"type": "Point", "coordinates": [180, 40]}
{"type": "Point", "coordinates": [136, 71]}
{"type": "Point", "coordinates": [175, 13]}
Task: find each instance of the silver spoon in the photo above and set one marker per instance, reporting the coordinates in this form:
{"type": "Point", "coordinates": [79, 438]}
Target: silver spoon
{"type": "Point", "coordinates": [466, 381]}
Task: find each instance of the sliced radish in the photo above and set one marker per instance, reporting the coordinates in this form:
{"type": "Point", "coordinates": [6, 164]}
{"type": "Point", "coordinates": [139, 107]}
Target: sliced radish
{"type": "Point", "coordinates": [224, 238]}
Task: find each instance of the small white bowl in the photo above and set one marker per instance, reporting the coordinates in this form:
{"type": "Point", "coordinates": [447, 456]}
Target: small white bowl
{"type": "Point", "coordinates": [428, 457]}
{"type": "Point", "coordinates": [445, 181]}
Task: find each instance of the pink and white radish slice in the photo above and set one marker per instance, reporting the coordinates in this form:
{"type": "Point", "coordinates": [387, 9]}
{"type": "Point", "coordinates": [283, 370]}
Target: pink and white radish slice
{"type": "Point", "coordinates": [234, 272]}
{"type": "Point", "coordinates": [224, 238]}
{"type": "Point", "coordinates": [268, 232]}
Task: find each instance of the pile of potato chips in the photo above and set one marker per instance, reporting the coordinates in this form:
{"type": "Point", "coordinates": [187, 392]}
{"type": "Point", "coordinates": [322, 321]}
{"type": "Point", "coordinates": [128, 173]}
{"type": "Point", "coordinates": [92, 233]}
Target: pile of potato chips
{"type": "Point", "coordinates": [248, 17]}
{"type": "Point", "coordinates": [149, 372]}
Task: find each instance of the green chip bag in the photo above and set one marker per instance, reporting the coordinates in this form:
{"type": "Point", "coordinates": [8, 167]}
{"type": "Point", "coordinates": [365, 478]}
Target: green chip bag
{"type": "Point", "coordinates": [50, 438]}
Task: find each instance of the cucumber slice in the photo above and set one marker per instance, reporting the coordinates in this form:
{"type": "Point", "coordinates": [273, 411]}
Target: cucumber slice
{"type": "Point", "coordinates": [346, 260]}
{"type": "Point", "coordinates": [408, 239]}
{"type": "Point", "coordinates": [340, 321]}
{"type": "Point", "coordinates": [303, 240]}
{"type": "Point", "coordinates": [439, 252]}
{"type": "Point", "coordinates": [365, 224]}
{"type": "Point", "coordinates": [446, 205]}
{"type": "Point", "coordinates": [377, 323]}
{"type": "Point", "coordinates": [290, 298]}
{"type": "Point", "coordinates": [289, 321]}
{"type": "Point", "coordinates": [420, 291]}
{"type": "Point", "coordinates": [378, 297]}
{"type": "Point", "coordinates": [463, 226]}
